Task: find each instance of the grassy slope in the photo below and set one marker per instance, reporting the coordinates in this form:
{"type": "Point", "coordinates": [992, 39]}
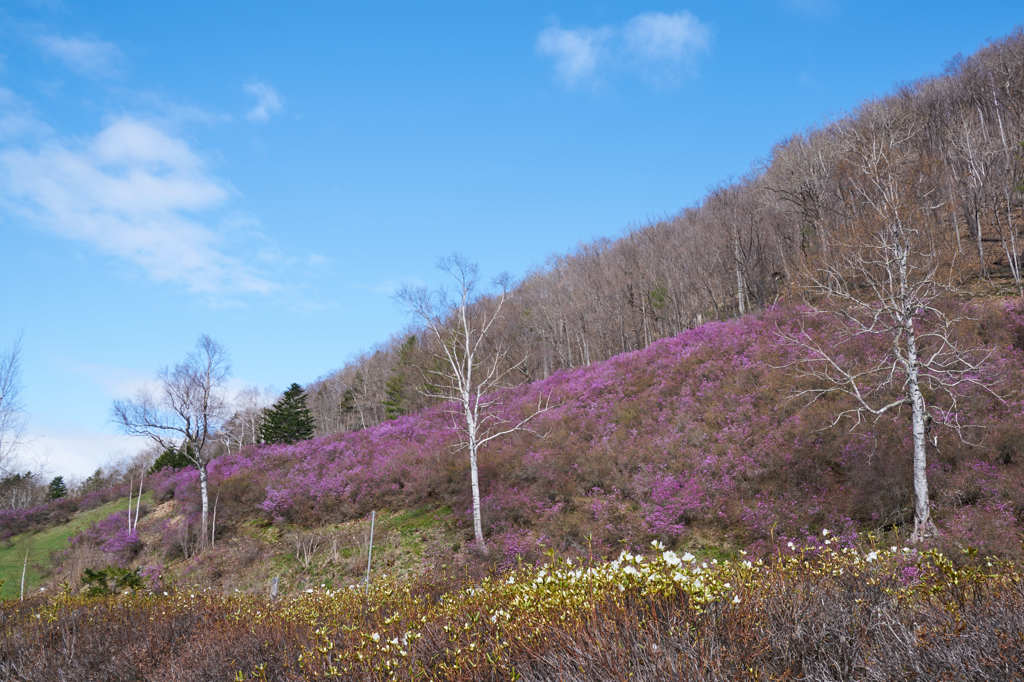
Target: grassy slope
{"type": "Point", "coordinates": [331, 554]}
{"type": "Point", "coordinates": [41, 546]}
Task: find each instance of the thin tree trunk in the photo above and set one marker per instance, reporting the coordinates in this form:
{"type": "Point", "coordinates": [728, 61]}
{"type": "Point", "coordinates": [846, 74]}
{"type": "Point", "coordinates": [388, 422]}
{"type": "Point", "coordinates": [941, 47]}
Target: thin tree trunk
{"type": "Point", "coordinates": [923, 526]}
{"type": "Point", "coordinates": [741, 283]}
{"type": "Point", "coordinates": [138, 504]}
{"type": "Point", "coordinates": [976, 222]}
{"type": "Point", "coordinates": [474, 475]}
{"type": "Point", "coordinates": [956, 225]}
{"type": "Point", "coordinates": [369, 550]}
{"type": "Point", "coordinates": [213, 521]}
{"type": "Point", "coordinates": [24, 570]}
{"type": "Point", "coordinates": [474, 478]}
{"type": "Point", "coordinates": [131, 494]}
{"type": "Point", "coordinates": [204, 493]}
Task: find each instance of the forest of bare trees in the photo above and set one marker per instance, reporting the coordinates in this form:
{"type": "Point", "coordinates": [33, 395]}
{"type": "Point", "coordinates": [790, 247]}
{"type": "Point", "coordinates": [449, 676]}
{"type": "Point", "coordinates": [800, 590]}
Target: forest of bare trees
{"type": "Point", "coordinates": [750, 242]}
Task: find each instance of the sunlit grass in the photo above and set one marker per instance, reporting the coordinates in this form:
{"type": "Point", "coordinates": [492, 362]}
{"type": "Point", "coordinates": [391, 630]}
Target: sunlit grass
{"type": "Point", "coordinates": [42, 545]}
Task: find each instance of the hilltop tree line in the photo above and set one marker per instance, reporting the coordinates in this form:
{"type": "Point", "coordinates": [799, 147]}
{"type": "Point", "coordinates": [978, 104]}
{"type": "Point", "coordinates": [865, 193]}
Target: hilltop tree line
{"type": "Point", "coordinates": [957, 141]}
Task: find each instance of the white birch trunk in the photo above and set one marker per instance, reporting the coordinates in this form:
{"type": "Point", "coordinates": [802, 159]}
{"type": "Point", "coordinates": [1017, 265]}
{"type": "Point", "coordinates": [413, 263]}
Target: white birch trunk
{"type": "Point", "coordinates": [474, 479]}
{"type": "Point", "coordinates": [205, 495]}
{"type": "Point", "coordinates": [138, 504]}
{"type": "Point", "coordinates": [741, 284]}
{"type": "Point", "coordinates": [923, 526]}
{"type": "Point", "coordinates": [24, 570]}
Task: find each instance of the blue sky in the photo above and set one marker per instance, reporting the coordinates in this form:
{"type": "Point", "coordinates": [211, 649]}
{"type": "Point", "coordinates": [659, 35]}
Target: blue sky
{"type": "Point", "coordinates": [269, 175]}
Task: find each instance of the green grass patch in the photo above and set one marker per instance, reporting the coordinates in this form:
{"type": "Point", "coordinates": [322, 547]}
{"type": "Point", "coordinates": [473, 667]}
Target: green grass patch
{"type": "Point", "coordinates": [419, 519]}
{"type": "Point", "coordinates": [42, 545]}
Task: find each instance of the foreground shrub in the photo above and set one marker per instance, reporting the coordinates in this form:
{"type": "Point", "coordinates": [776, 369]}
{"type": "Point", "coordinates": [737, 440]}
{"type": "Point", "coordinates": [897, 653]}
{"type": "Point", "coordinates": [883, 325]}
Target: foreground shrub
{"type": "Point", "coordinates": [818, 612]}
{"type": "Point", "coordinates": [110, 580]}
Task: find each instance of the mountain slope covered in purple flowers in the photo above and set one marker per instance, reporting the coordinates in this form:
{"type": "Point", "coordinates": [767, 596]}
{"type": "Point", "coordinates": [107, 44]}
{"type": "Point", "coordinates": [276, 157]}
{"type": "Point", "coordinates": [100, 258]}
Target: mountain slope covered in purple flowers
{"type": "Point", "coordinates": [695, 439]}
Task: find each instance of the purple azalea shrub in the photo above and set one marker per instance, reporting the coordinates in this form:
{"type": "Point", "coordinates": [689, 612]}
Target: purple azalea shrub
{"type": "Point", "coordinates": [696, 432]}
{"type": "Point", "coordinates": [54, 512]}
{"type": "Point", "coordinates": [111, 536]}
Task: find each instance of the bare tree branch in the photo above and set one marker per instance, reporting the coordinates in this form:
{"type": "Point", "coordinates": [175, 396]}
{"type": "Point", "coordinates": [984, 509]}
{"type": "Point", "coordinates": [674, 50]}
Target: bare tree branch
{"type": "Point", "coordinates": [186, 413]}
{"type": "Point", "coordinates": [474, 367]}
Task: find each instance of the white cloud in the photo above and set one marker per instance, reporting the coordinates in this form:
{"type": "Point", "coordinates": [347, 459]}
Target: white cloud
{"type": "Point", "coordinates": [87, 57]}
{"type": "Point", "coordinates": [672, 37]}
{"type": "Point", "coordinates": [268, 102]}
{"type": "Point", "coordinates": [576, 52]}
{"type": "Point", "coordinates": [76, 454]}
{"type": "Point", "coordinates": [135, 192]}
{"type": "Point", "coordinates": [652, 44]}
{"type": "Point", "coordinates": [128, 141]}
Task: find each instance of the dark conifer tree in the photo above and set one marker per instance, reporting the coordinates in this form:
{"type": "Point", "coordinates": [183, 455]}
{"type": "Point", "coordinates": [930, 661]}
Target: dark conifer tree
{"type": "Point", "coordinates": [57, 488]}
{"type": "Point", "coordinates": [396, 402]}
{"type": "Point", "coordinates": [173, 458]}
{"type": "Point", "coordinates": [289, 419]}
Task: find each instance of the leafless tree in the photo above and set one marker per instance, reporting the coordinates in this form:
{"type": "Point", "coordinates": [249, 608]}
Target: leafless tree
{"type": "Point", "coordinates": [749, 242]}
{"type": "Point", "coordinates": [186, 413]}
{"type": "Point", "coordinates": [243, 427]}
{"type": "Point", "coordinates": [12, 420]}
{"type": "Point", "coordinates": [886, 286]}
{"type": "Point", "coordinates": [473, 368]}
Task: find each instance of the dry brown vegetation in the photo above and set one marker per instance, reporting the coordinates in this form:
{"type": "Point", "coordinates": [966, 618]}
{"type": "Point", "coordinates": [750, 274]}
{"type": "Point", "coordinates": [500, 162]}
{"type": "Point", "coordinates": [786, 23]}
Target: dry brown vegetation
{"type": "Point", "coordinates": [819, 614]}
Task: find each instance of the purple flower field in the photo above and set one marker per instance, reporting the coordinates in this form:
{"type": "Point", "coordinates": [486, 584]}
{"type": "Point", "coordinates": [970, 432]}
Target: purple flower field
{"type": "Point", "coordinates": [696, 434]}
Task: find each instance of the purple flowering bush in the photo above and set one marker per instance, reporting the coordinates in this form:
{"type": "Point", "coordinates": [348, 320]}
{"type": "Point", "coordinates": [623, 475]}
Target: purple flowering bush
{"type": "Point", "coordinates": [54, 512]}
{"type": "Point", "coordinates": [111, 536]}
{"type": "Point", "coordinates": [696, 433]}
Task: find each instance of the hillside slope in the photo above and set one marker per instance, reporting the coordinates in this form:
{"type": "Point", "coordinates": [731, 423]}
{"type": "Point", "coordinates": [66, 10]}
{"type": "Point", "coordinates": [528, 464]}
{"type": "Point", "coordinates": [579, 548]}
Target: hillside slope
{"type": "Point", "coordinates": [747, 242]}
{"type": "Point", "coordinates": [693, 440]}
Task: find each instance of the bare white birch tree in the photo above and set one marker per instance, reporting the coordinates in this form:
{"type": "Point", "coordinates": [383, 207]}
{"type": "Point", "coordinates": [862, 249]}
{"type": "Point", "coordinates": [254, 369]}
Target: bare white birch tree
{"type": "Point", "coordinates": [474, 368]}
{"type": "Point", "coordinates": [186, 413]}
{"type": "Point", "coordinates": [887, 287]}
{"type": "Point", "coordinates": [11, 412]}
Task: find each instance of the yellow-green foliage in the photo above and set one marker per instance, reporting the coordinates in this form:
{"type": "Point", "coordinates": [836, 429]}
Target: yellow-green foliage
{"type": "Point", "coordinates": [498, 625]}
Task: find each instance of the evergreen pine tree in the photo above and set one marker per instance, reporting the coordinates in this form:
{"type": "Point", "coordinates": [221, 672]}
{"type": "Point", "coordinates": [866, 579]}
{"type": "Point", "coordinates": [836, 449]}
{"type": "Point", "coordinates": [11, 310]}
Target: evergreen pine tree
{"type": "Point", "coordinates": [57, 488]}
{"type": "Point", "coordinates": [289, 419]}
{"type": "Point", "coordinates": [394, 392]}
{"type": "Point", "coordinates": [395, 399]}
{"type": "Point", "coordinates": [172, 458]}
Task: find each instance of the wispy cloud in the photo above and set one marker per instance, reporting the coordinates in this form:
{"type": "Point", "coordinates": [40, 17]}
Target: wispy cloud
{"type": "Point", "coordinates": [136, 192]}
{"type": "Point", "coordinates": [17, 120]}
{"type": "Point", "coordinates": [268, 102]}
{"type": "Point", "coordinates": [96, 58]}
{"type": "Point", "coordinates": [79, 452]}
{"type": "Point", "coordinates": [576, 52]}
{"type": "Point", "coordinates": [656, 36]}
{"type": "Point", "coordinates": [174, 114]}
{"type": "Point", "coordinates": [657, 45]}
{"type": "Point", "coordinates": [115, 382]}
